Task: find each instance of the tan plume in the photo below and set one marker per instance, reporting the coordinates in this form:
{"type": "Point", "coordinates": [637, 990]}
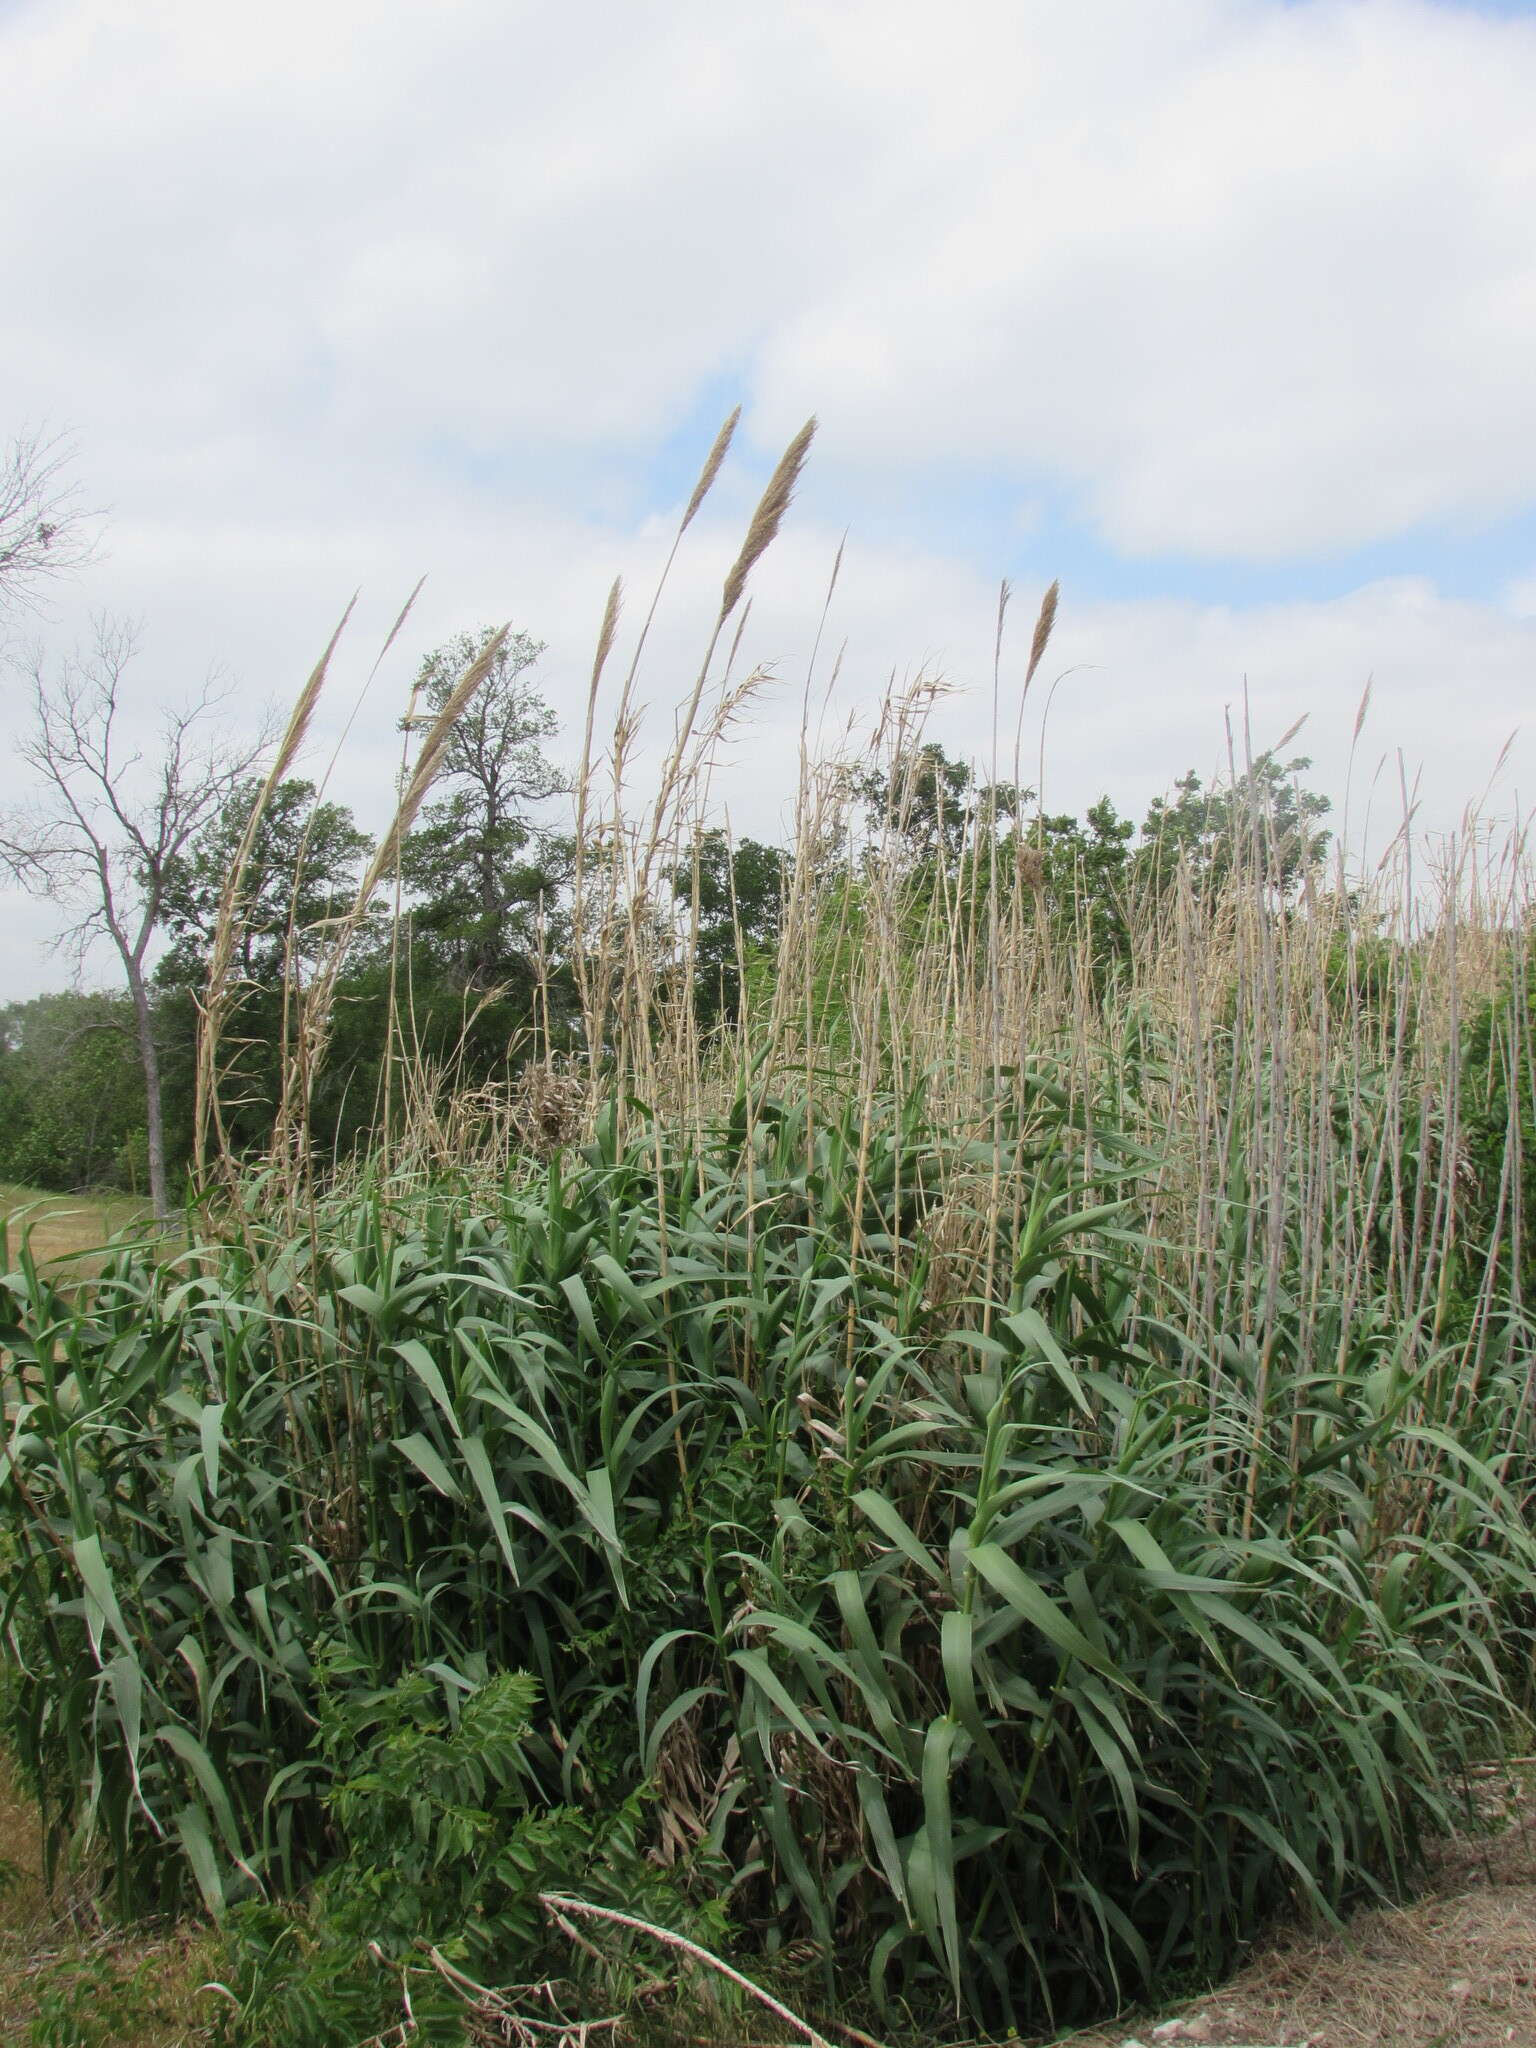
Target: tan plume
{"type": "Point", "coordinates": [428, 762]}
{"type": "Point", "coordinates": [766, 520]}
{"type": "Point", "coordinates": [710, 470]}
{"type": "Point", "coordinates": [1043, 625]}
{"type": "Point", "coordinates": [1365, 705]}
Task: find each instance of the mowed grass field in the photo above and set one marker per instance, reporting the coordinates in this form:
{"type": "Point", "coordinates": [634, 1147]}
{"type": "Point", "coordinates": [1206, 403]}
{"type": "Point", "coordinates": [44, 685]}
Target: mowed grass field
{"type": "Point", "coordinates": [58, 1225]}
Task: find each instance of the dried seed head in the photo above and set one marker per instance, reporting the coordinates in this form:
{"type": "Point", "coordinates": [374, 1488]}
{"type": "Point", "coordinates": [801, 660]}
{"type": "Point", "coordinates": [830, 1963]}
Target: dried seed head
{"type": "Point", "coordinates": [771, 508]}
{"type": "Point", "coordinates": [1365, 705]}
{"type": "Point", "coordinates": [1043, 626]}
{"type": "Point", "coordinates": [609, 627]}
{"type": "Point", "coordinates": [710, 470]}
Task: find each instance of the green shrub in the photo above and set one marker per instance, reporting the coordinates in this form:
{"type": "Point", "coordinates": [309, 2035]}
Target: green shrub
{"type": "Point", "coordinates": [439, 1861]}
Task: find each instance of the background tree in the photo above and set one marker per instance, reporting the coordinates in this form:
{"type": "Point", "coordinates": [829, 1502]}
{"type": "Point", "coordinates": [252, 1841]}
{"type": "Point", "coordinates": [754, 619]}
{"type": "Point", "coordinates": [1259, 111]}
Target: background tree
{"type": "Point", "coordinates": [302, 870]}
{"type": "Point", "coordinates": [923, 803]}
{"type": "Point", "coordinates": [733, 897]}
{"type": "Point", "coordinates": [300, 875]}
{"type": "Point", "coordinates": [477, 863]}
{"type": "Point", "coordinates": [108, 823]}
{"type": "Point", "coordinates": [1263, 824]}
{"type": "Point", "coordinates": [71, 1093]}
{"type": "Point", "coordinates": [43, 532]}
{"type": "Point", "coordinates": [1086, 869]}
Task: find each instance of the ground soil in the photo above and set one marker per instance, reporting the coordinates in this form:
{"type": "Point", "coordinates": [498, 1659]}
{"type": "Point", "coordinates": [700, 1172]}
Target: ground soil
{"type": "Point", "coordinates": [109, 1987]}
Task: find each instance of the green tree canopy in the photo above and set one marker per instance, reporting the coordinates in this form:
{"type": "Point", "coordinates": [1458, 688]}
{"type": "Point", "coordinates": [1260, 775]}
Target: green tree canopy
{"type": "Point", "coordinates": [733, 897]}
{"type": "Point", "coordinates": [71, 1092]}
{"type": "Point", "coordinates": [1264, 823]}
{"type": "Point", "coordinates": [302, 871]}
{"type": "Point", "coordinates": [479, 864]}
{"type": "Point", "coordinates": [935, 807]}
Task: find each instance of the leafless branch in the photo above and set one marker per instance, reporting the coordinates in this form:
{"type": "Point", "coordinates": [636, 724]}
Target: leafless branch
{"type": "Point", "coordinates": [44, 531]}
{"type": "Point", "coordinates": [107, 819]}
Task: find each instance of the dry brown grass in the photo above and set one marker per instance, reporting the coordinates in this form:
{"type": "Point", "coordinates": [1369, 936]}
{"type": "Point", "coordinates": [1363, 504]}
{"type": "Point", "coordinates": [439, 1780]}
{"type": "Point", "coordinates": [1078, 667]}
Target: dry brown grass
{"type": "Point", "coordinates": [1456, 1968]}
{"type": "Point", "coordinates": [21, 1858]}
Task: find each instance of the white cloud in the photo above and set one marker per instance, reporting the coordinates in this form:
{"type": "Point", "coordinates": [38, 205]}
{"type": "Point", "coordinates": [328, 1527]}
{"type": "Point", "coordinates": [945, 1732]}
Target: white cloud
{"type": "Point", "coordinates": [1275, 293]}
{"type": "Point", "coordinates": [333, 295]}
{"type": "Point", "coordinates": [1250, 279]}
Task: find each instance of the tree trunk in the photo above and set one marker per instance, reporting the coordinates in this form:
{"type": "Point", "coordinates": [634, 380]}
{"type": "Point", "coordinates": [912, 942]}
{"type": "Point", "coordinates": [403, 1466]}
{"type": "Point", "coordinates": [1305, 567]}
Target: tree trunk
{"type": "Point", "coordinates": [487, 948]}
{"type": "Point", "coordinates": [154, 1117]}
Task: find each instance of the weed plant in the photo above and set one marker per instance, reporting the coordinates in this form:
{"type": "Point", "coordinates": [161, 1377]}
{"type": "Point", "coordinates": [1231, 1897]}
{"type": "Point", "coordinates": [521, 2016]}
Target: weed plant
{"type": "Point", "coordinates": [975, 1479]}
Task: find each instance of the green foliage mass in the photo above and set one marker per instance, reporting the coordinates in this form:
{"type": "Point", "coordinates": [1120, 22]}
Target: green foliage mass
{"type": "Point", "coordinates": [301, 871]}
{"type": "Point", "coordinates": [1005, 1646]}
{"type": "Point", "coordinates": [98, 2003]}
{"type": "Point", "coordinates": [71, 1093]}
{"type": "Point", "coordinates": [1264, 823]}
{"type": "Point", "coordinates": [730, 898]}
{"type": "Point", "coordinates": [442, 1847]}
{"type": "Point", "coordinates": [476, 864]}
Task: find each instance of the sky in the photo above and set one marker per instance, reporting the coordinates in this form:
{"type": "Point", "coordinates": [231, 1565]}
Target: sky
{"type": "Point", "coordinates": [1223, 312]}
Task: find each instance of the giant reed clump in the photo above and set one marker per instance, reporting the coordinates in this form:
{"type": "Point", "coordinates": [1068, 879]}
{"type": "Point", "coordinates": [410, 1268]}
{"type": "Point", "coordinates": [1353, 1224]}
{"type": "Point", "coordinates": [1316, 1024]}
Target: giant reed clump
{"type": "Point", "coordinates": [1004, 1471]}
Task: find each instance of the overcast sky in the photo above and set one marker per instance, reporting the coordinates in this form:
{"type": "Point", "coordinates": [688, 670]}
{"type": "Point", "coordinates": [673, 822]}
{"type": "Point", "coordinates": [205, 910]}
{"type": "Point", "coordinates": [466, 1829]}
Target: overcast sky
{"type": "Point", "coordinates": [1222, 311]}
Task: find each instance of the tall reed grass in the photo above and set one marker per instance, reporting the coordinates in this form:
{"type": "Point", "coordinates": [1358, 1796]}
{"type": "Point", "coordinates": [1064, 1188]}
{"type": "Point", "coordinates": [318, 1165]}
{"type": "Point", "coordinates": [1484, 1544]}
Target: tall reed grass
{"type": "Point", "coordinates": [1018, 1459]}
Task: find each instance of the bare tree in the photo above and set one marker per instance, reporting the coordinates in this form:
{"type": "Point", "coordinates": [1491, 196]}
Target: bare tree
{"type": "Point", "coordinates": [108, 822]}
{"type": "Point", "coordinates": [43, 531]}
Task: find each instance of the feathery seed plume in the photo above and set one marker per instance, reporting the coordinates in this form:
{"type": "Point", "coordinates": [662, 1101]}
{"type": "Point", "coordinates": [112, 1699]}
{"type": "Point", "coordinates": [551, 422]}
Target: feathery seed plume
{"type": "Point", "coordinates": [771, 508]}
{"type": "Point", "coordinates": [710, 470]}
{"type": "Point", "coordinates": [609, 627]}
{"type": "Point", "coordinates": [1365, 705]}
{"type": "Point", "coordinates": [428, 761]}
{"type": "Point", "coordinates": [1043, 626]}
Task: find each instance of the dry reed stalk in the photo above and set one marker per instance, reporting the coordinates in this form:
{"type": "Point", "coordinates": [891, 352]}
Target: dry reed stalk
{"type": "Point", "coordinates": [605, 639]}
{"type": "Point", "coordinates": [761, 534]}
{"type": "Point", "coordinates": [229, 921]}
{"type": "Point", "coordinates": [1302, 1111]}
{"type": "Point", "coordinates": [558, 1905]}
{"type": "Point", "coordinates": [290, 1132]}
{"type": "Point", "coordinates": [595, 1000]}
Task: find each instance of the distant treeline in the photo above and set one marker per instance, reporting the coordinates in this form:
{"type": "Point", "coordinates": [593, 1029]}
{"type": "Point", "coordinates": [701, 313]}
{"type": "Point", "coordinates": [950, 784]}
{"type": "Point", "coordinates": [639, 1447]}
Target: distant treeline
{"type": "Point", "coordinates": [469, 953]}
